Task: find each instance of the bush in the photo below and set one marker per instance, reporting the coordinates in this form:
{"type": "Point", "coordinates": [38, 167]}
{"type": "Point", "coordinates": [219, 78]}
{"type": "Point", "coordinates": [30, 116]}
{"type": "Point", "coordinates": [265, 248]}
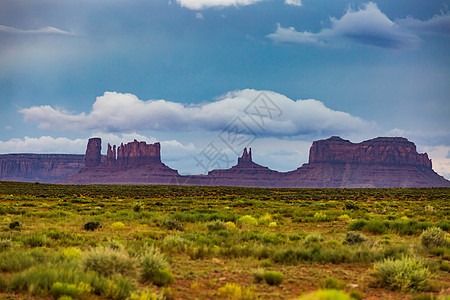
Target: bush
{"type": "Point", "coordinates": [313, 238]}
{"type": "Point", "coordinates": [216, 226]}
{"type": "Point", "coordinates": [325, 295]}
{"type": "Point", "coordinates": [320, 216]}
{"type": "Point", "coordinates": [60, 289]}
{"type": "Point", "coordinates": [173, 225]}
{"type": "Point", "coordinates": [91, 226]}
{"type": "Point", "coordinates": [235, 291]}
{"type": "Point", "coordinates": [138, 207]}
{"type": "Point", "coordinates": [117, 226]}
{"type": "Point", "coordinates": [273, 277]}
{"type": "Point", "coordinates": [107, 261]}
{"type": "Point", "coordinates": [344, 218]}
{"type": "Point", "coordinates": [350, 205]}
{"type": "Point", "coordinates": [14, 225]}
{"type": "Point", "coordinates": [403, 274]}
{"type": "Point", "coordinates": [433, 237]}
{"type": "Point", "coordinates": [247, 220]}
{"type": "Point", "coordinates": [353, 237]}
{"type": "Point", "coordinates": [332, 283]}
{"type": "Point", "coordinates": [258, 274]}
{"type": "Point", "coordinates": [154, 267]}
{"type": "Point", "coordinates": [230, 225]}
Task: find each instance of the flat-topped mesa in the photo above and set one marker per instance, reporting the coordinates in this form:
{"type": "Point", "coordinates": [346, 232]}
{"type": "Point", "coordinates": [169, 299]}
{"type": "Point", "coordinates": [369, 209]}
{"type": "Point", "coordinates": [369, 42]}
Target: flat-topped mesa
{"type": "Point", "coordinates": [246, 157]}
{"type": "Point", "coordinates": [381, 150]}
{"type": "Point", "coordinates": [137, 154]}
{"type": "Point", "coordinates": [93, 155]}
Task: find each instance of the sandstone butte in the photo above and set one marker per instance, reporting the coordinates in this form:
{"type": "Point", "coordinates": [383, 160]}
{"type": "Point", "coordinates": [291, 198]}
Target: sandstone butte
{"type": "Point", "coordinates": [333, 163]}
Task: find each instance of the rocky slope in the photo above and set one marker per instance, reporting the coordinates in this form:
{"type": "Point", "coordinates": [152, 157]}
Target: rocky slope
{"type": "Point", "coordinates": [45, 168]}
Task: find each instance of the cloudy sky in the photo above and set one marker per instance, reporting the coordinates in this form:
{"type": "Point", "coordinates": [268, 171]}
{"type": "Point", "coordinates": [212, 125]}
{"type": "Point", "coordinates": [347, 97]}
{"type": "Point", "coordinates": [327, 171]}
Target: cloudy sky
{"type": "Point", "coordinates": [217, 75]}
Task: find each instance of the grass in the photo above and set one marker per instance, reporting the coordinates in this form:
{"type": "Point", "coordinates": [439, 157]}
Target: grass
{"type": "Point", "coordinates": [150, 242]}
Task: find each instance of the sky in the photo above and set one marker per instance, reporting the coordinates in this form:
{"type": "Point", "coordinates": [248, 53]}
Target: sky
{"type": "Point", "coordinates": [207, 78]}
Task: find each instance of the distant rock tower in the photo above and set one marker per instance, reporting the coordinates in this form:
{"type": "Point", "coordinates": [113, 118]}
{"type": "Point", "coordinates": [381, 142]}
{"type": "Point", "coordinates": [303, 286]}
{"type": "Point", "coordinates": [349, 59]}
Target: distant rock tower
{"type": "Point", "coordinates": [246, 157]}
{"type": "Point", "coordinates": [93, 155]}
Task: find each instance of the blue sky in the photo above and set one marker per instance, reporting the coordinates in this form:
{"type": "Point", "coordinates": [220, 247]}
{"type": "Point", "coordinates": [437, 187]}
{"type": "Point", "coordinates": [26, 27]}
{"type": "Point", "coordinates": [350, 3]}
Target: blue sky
{"type": "Point", "coordinates": [181, 71]}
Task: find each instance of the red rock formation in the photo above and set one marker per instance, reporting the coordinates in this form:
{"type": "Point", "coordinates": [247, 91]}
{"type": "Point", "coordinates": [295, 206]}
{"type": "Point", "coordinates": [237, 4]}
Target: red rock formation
{"type": "Point", "coordinates": [382, 150]}
{"type": "Point", "coordinates": [93, 155]}
{"type": "Point", "coordinates": [45, 168]}
{"type": "Point", "coordinates": [135, 163]}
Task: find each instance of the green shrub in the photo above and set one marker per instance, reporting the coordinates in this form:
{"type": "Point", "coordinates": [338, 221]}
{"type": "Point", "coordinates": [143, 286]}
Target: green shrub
{"type": "Point", "coordinates": [325, 295]}
{"type": "Point", "coordinates": [216, 226]}
{"type": "Point", "coordinates": [117, 226]}
{"type": "Point", "coordinates": [154, 267]}
{"type": "Point", "coordinates": [107, 261]}
{"type": "Point", "coordinates": [273, 277]}
{"type": "Point", "coordinates": [258, 275]}
{"type": "Point", "coordinates": [313, 238]}
{"type": "Point", "coordinates": [36, 240]}
{"type": "Point", "coordinates": [5, 244]}
{"type": "Point", "coordinates": [350, 205]}
{"type": "Point", "coordinates": [403, 274]}
{"type": "Point", "coordinates": [356, 295]}
{"type": "Point", "coordinates": [173, 225]}
{"type": "Point", "coordinates": [433, 237]}
{"type": "Point", "coordinates": [332, 283]}
{"type": "Point", "coordinates": [353, 237]}
{"type": "Point", "coordinates": [118, 288]}
{"type": "Point", "coordinates": [14, 225]}
{"type": "Point", "coordinates": [247, 220]}
{"type": "Point", "coordinates": [235, 291]}
{"type": "Point", "coordinates": [60, 289]}
{"type": "Point", "coordinates": [320, 216]}
{"type": "Point", "coordinates": [91, 226]}
{"type": "Point", "coordinates": [138, 206]}
{"type": "Point", "coordinates": [344, 218]}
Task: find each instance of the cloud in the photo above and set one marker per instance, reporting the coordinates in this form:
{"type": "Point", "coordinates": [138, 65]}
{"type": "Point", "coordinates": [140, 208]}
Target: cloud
{"type": "Point", "coordinates": [264, 112]}
{"type": "Point", "coordinates": [43, 144]}
{"type": "Point", "coordinates": [42, 31]}
{"type": "Point", "coordinates": [367, 26]}
{"type": "Point", "coordinates": [438, 24]}
{"type": "Point", "coordinates": [293, 2]}
{"type": "Point", "coordinates": [199, 16]}
{"type": "Point", "coordinates": [203, 4]}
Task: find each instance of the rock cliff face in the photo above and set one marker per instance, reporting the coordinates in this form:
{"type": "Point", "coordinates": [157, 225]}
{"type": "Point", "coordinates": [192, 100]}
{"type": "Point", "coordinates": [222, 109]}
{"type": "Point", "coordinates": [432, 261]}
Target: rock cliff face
{"type": "Point", "coordinates": [381, 162]}
{"type": "Point", "coordinates": [93, 155]}
{"type": "Point", "coordinates": [395, 151]}
{"type": "Point", "coordinates": [45, 168]}
{"type": "Point", "coordinates": [132, 163]}
{"type": "Point", "coordinates": [333, 163]}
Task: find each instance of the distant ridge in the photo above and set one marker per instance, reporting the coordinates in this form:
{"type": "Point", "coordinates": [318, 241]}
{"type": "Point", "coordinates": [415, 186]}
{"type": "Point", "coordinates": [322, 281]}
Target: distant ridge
{"type": "Point", "coordinates": [383, 162]}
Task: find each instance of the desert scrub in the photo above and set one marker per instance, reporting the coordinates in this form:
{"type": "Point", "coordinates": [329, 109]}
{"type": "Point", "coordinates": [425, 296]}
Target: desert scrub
{"type": "Point", "coordinates": [216, 226]}
{"type": "Point", "coordinates": [116, 226]}
{"type": "Point", "coordinates": [91, 225]}
{"type": "Point", "coordinates": [332, 283]}
{"type": "Point", "coordinates": [433, 237]}
{"type": "Point", "coordinates": [234, 291]}
{"type": "Point", "coordinates": [247, 220]}
{"type": "Point", "coordinates": [353, 237]}
{"type": "Point", "coordinates": [273, 277]}
{"type": "Point", "coordinates": [60, 289]}
{"type": "Point", "coordinates": [405, 274]}
{"type": "Point", "coordinates": [107, 261]}
{"type": "Point", "coordinates": [326, 295]}
{"type": "Point", "coordinates": [154, 267]}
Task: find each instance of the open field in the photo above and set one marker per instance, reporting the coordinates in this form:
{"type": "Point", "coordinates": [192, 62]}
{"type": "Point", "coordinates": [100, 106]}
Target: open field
{"type": "Point", "coordinates": [174, 242]}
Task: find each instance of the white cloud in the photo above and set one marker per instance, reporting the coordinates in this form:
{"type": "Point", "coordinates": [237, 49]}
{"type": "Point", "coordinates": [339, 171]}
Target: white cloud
{"type": "Point", "coordinates": [366, 26]}
{"type": "Point", "coordinates": [116, 112]}
{"type": "Point", "coordinates": [43, 144]}
{"type": "Point", "coordinates": [293, 2]}
{"type": "Point", "coordinates": [46, 30]}
{"type": "Point", "coordinates": [203, 4]}
{"type": "Point", "coordinates": [199, 16]}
